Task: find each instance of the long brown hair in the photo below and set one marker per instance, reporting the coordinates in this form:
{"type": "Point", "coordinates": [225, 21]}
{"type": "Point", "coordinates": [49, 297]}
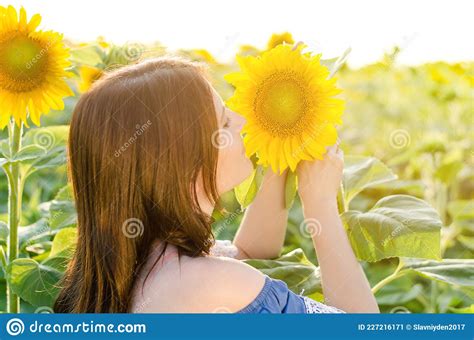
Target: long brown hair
{"type": "Point", "coordinates": [139, 140]}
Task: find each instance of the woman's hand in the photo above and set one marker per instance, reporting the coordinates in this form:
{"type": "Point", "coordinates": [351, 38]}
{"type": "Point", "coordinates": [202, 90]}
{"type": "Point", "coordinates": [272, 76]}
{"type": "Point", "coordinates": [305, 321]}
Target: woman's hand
{"type": "Point", "coordinates": [319, 181]}
{"type": "Point", "coordinates": [344, 283]}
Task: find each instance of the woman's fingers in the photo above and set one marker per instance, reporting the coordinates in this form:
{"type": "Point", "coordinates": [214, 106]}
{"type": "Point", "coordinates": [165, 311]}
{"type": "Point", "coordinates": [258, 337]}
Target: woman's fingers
{"type": "Point", "coordinates": [333, 149]}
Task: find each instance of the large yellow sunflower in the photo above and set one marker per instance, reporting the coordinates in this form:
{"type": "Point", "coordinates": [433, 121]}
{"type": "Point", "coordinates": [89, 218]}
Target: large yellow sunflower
{"type": "Point", "coordinates": [289, 106]}
{"type": "Point", "coordinates": [32, 67]}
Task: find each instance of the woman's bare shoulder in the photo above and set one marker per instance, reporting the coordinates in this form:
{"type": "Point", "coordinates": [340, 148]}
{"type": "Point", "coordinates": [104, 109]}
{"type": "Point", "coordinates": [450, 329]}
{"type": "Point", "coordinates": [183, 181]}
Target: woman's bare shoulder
{"type": "Point", "coordinates": [204, 285]}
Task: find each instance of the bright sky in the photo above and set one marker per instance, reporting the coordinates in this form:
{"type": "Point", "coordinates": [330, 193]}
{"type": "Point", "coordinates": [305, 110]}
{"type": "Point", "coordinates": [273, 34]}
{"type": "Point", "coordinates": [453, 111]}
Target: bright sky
{"type": "Point", "coordinates": [428, 30]}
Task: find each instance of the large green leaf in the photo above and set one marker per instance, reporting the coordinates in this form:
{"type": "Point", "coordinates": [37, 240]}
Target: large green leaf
{"type": "Point", "coordinates": [62, 211]}
{"type": "Point", "coordinates": [453, 271]}
{"type": "Point", "coordinates": [408, 187]}
{"type": "Point", "coordinates": [363, 172]}
{"type": "Point", "coordinates": [64, 243]}
{"type": "Point", "coordinates": [397, 225]}
{"type": "Point", "coordinates": [301, 276]}
{"type": "Point", "coordinates": [35, 282]}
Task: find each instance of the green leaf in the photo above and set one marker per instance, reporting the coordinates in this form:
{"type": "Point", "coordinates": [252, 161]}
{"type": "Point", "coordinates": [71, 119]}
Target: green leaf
{"type": "Point", "coordinates": [466, 241]}
{"type": "Point", "coordinates": [461, 209]}
{"type": "Point", "coordinates": [34, 233]}
{"type": "Point", "coordinates": [465, 310]}
{"type": "Point", "coordinates": [88, 55]}
{"type": "Point", "coordinates": [291, 188]}
{"type": "Point", "coordinates": [247, 190]}
{"type": "Point", "coordinates": [462, 214]}
{"type": "Point", "coordinates": [448, 171]}
{"type": "Point", "coordinates": [5, 148]}
{"type": "Point", "coordinates": [432, 146]}
{"type": "Point", "coordinates": [47, 137]}
{"type": "Point", "coordinates": [4, 232]}
{"type": "Point", "coordinates": [34, 282]}
{"type": "Point", "coordinates": [301, 276]}
{"type": "Point", "coordinates": [29, 152]}
{"type": "Point", "coordinates": [397, 225]}
{"type": "Point", "coordinates": [64, 243]}
{"type": "Point", "coordinates": [453, 271]}
{"type": "Point", "coordinates": [363, 172]}
{"type": "Point", "coordinates": [62, 210]}
{"type": "Point", "coordinates": [410, 187]}
{"type": "Point", "coordinates": [53, 139]}
{"type": "Point", "coordinates": [394, 295]}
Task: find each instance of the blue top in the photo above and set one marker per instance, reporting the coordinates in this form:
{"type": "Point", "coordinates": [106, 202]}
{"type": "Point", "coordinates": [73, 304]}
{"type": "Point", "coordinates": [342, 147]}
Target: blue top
{"type": "Point", "coordinates": [276, 297]}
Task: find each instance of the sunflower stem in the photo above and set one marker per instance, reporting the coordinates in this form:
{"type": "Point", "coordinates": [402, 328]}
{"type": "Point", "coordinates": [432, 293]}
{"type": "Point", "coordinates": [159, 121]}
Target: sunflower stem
{"type": "Point", "coordinates": [395, 275]}
{"type": "Point", "coordinates": [341, 203]}
{"type": "Point", "coordinates": [14, 208]}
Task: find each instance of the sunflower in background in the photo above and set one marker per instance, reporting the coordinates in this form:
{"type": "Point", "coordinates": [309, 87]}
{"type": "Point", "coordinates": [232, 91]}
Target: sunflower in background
{"type": "Point", "coordinates": [32, 67]}
{"type": "Point", "coordinates": [88, 75]}
{"type": "Point", "coordinates": [289, 104]}
{"type": "Point", "coordinates": [280, 38]}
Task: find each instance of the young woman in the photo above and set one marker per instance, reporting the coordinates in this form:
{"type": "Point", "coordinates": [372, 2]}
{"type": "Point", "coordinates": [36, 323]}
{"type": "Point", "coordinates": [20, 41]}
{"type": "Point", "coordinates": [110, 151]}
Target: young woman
{"type": "Point", "coordinates": [147, 172]}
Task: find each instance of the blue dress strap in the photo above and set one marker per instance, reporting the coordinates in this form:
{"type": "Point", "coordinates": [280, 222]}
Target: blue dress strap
{"type": "Point", "coordinates": [276, 297]}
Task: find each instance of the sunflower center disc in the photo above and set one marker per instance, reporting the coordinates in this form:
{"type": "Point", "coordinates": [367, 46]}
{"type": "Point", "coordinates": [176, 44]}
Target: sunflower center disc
{"type": "Point", "coordinates": [281, 104]}
{"type": "Point", "coordinates": [22, 63]}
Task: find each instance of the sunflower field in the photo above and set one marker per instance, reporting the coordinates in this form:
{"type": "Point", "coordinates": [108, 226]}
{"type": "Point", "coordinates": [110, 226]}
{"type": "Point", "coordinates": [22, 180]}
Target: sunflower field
{"type": "Point", "coordinates": [407, 197]}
